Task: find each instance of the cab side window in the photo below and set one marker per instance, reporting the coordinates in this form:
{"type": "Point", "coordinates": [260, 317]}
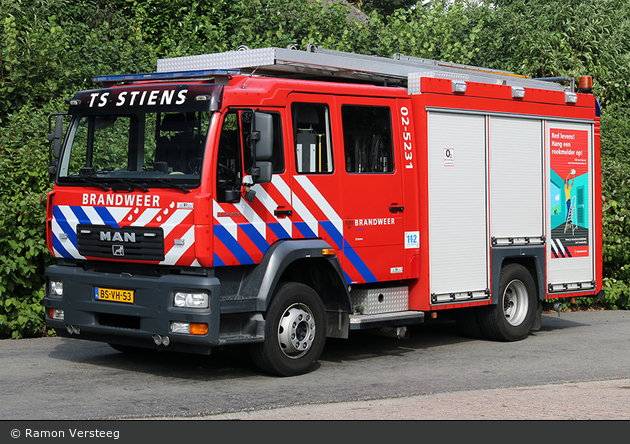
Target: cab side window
{"type": "Point", "coordinates": [229, 167]}
{"type": "Point", "coordinates": [311, 135]}
{"type": "Point", "coordinates": [367, 139]}
{"type": "Point", "coordinates": [234, 157]}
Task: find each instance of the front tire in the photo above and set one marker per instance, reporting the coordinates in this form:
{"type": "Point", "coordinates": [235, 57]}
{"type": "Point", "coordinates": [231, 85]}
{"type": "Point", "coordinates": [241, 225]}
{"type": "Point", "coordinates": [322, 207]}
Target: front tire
{"type": "Point", "coordinates": [512, 318]}
{"type": "Point", "coordinates": [295, 331]}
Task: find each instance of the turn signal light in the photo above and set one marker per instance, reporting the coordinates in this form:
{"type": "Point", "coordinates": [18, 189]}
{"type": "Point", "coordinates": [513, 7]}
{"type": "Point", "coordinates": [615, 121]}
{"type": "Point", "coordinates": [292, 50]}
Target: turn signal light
{"type": "Point", "coordinates": [328, 252]}
{"type": "Point", "coordinates": [198, 329]}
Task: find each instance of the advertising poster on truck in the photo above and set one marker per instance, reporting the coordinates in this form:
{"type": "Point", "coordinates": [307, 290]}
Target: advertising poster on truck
{"type": "Point", "coordinates": [569, 196]}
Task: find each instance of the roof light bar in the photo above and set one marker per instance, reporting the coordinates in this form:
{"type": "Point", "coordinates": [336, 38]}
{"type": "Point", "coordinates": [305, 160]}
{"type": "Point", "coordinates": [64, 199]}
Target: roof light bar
{"type": "Point", "coordinates": [166, 75]}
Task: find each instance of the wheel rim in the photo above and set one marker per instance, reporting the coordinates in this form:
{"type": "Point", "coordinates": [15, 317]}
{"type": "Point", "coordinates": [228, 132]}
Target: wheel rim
{"type": "Point", "coordinates": [515, 302]}
{"type": "Point", "coordinates": [296, 331]}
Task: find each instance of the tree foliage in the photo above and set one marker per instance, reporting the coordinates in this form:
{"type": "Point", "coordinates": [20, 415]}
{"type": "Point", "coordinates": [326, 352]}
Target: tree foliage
{"type": "Point", "coordinates": [563, 38]}
{"type": "Point", "coordinates": [450, 32]}
{"type": "Point", "coordinates": [49, 49]}
{"type": "Point", "coordinates": [384, 8]}
{"type": "Point", "coordinates": [182, 27]}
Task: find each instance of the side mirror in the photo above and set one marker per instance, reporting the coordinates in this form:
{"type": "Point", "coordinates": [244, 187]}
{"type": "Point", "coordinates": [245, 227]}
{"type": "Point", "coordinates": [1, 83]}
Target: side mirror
{"type": "Point", "coordinates": [262, 140]}
{"type": "Point", "coordinates": [55, 137]}
{"type": "Point", "coordinates": [264, 137]}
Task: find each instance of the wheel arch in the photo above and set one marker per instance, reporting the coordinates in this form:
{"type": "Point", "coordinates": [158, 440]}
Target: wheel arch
{"type": "Point", "coordinates": [303, 261]}
{"type": "Point", "coordinates": [531, 257]}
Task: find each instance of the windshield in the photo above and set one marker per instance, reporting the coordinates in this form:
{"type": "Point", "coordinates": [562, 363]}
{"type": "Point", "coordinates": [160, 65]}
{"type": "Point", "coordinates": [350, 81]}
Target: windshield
{"type": "Point", "coordinates": [137, 150]}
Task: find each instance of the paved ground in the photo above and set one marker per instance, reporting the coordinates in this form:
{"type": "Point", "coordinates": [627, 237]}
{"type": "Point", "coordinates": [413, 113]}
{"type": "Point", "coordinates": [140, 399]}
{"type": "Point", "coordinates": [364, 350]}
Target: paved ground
{"type": "Point", "coordinates": [597, 400]}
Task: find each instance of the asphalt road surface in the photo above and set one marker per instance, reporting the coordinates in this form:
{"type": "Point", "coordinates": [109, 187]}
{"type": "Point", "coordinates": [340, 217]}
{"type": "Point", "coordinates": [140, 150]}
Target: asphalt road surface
{"type": "Point", "coordinates": [576, 367]}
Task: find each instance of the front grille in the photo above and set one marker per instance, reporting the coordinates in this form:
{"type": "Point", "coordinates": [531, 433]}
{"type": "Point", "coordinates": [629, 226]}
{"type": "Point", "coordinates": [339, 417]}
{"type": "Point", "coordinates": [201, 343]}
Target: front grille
{"type": "Point", "coordinates": [119, 321]}
{"type": "Point", "coordinates": [131, 243]}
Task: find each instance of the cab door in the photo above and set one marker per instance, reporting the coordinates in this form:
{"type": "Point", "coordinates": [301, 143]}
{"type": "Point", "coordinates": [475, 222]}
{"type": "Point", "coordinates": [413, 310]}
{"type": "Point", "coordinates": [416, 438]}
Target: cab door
{"type": "Point", "coordinates": [373, 207]}
{"type": "Point", "coordinates": [246, 224]}
{"type": "Point", "coordinates": [315, 197]}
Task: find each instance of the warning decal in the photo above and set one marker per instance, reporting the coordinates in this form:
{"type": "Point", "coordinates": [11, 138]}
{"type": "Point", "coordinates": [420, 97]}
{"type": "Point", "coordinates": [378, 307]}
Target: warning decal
{"type": "Point", "coordinates": [449, 157]}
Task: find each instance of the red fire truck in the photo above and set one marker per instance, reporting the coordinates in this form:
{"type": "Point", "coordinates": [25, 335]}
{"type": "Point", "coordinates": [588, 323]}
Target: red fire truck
{"type": "Point", "coordinates": [276, 197]}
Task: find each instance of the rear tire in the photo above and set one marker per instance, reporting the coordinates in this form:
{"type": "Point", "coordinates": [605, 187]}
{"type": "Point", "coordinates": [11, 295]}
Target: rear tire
{"type": "Point", "coordinates": [295, 331]}
{"type": "Point", "coordinates": [512, 317]}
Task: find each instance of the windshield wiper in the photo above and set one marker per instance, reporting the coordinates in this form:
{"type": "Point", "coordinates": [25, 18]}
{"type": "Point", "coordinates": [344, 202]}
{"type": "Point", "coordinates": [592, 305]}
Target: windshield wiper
{"type": "Point", "coordinates": [91, 182]}
{"type": "Point", "coordinates": [172, 185]}
{"type": "Point", "coordinates": [132, 184]}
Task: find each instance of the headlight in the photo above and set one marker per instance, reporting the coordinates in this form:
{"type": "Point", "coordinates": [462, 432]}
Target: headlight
{"type": "Point", "coordinates": [188, 328]}
{"type": "Point", "coordinates": [56, 288]}
{"type": "Point", "coordinates": [56, 313]}
{"type": "Point", "coordinates": [191, 300]}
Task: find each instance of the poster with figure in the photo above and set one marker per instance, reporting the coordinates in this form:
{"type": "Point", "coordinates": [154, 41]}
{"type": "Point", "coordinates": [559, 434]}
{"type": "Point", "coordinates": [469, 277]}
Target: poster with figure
{"type": "Point", "coordinates": [570, 213]}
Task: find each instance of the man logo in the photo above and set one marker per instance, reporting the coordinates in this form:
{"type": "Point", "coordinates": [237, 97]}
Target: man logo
{"type": "Point", "coordinates": [117, 236]}
{"type": "Point", "coordinates": [118, 250]}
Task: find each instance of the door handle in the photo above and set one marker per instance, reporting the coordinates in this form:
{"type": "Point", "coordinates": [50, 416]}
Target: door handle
{"type": "Point", "coordinates": [283, 212]}
{"type": "Point", "coordinates": [395, 209]}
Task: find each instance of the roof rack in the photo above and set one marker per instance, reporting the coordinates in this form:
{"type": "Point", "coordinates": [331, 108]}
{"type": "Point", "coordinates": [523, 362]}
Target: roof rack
{"type": "Point", "coordinates": [324, 64]}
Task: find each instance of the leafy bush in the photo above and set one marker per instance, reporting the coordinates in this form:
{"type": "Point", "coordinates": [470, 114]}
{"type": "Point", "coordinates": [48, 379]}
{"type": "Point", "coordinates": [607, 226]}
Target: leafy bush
{"type": "Point", "coordinates": [446, 31]}
{"type": "Point", "coordinates": [24, 182]}
{"type": "Point", "coordinates": [547, 38]}
{"type": "Point", "coordinates": [615, 129]}
{"type": "Point", "coordinates": [178, 28]}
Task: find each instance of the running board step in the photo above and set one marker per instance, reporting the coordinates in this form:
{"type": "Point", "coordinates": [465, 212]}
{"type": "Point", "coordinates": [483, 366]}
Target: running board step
{"type": "Point", "coordinates": [361, 322]}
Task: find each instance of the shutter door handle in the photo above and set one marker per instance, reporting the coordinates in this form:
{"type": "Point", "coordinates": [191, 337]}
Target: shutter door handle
{"type": "Point", "coordinates": [395, 209]}
{"type": "Point", "coordinates": [283, 212]}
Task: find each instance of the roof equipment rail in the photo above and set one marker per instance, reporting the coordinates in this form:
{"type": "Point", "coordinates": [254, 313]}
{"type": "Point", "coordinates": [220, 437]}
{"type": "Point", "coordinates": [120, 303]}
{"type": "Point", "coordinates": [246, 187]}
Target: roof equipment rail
{"type": "Point", "coordinates": [323, 64]}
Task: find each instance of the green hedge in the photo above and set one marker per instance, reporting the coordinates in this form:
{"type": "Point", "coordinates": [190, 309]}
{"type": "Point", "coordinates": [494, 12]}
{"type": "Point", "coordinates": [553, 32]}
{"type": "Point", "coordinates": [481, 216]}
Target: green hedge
{"type": "Point", "coordinates": [50, 48]}
{"type": "Point", "coordinates": [24, 182]}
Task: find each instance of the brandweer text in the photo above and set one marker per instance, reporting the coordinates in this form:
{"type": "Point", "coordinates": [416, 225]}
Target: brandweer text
{"type": "Point", "coordinates": [129, 200]}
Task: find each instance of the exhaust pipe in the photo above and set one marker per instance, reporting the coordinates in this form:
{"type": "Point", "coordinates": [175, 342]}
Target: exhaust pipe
{"type": "Point", "coordinates": [557, 307]}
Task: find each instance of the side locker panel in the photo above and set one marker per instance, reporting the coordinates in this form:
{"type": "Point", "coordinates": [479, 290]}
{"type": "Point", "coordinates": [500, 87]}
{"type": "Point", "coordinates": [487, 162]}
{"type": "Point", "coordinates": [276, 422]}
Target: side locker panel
{"type": "Point", "coordinates": [516, 181]}
{"type": "Point", "coordinates": [458, 239]}
{"type": "Point", "coordinates": [570, 234]}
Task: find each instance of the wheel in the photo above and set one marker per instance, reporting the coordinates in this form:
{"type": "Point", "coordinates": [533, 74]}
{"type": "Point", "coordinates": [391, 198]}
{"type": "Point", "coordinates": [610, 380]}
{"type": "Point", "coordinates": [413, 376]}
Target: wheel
{"type": "Point", "coordinates": [512, 318]}
{"type": "Point", "coordinates": [468, 323]}
{"type": "Point", "coordinates": [295, 331]}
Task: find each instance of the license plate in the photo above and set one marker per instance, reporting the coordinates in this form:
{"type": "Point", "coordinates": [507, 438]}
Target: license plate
{"type": "Point", "coordinates": [112, 294]}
